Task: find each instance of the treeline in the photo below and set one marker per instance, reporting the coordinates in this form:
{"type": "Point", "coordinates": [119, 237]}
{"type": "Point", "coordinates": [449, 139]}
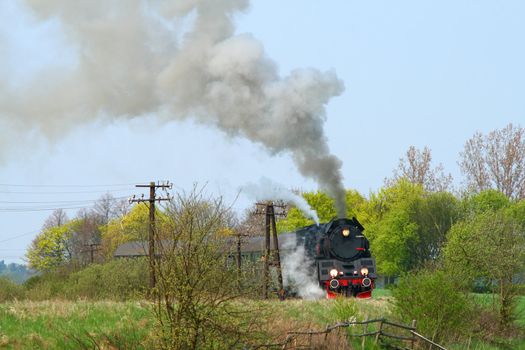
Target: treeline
{"type": "Point", "coordinates": [16, 272]}
{"type": "Point", "coordinates": [407, 219]}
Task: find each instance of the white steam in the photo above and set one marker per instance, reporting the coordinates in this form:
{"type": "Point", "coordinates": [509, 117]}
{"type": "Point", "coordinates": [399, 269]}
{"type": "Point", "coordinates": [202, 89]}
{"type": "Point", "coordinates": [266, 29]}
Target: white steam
{"type": "Point", "coordinates": [297, 272]}
{"type": "Point", "coordinates": [266, 190]}
{"type": "Point", "coordinates": [179, 60]}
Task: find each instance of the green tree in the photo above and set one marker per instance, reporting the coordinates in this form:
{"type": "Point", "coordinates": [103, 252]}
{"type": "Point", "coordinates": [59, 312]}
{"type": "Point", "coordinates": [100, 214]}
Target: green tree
{"type": "Point", "coordinates": [490, 246]}
{"type": "Point", "coordinates": [487, 200]}
{"type": "Point", "coordinates": [393, 228]}
{"type": "Point", "coordinates": [131, 227]}
{"type": "Point", "coordinates": [50, 249]}
{"type": "Point", "coordinates": [434, 214]}
{"type": "Point", "coordinates": [408, 225]}
{"type": "Point", "coordinates": [324, 205]}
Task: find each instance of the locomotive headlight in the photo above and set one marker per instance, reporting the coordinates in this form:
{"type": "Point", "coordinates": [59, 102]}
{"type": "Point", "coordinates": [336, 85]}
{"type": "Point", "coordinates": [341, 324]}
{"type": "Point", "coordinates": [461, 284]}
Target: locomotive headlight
{"type": "Point", "coordinates": [346, 232]}
{"type": "Point", "coordinates": [334, 273]}
{"type": "Point", "coordinates": [364, 271]}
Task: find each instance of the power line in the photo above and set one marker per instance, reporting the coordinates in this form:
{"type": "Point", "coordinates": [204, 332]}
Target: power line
{"type": "Point", "coordinates": [70, 185]}
{"type": "Point", "coordinates": [80, 201]}
{"type": "Point", "coordinates": [65, 192]}
{"type": "Point", "coordinates": [25, 210]}
{"type": "Point", "coordinates": [18, 236]}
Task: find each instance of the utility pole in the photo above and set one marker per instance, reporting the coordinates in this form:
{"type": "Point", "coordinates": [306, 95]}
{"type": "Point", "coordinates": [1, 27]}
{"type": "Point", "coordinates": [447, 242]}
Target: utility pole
{"type": "Point", "coordinates": [277, 257]}
{"type": "Point", "coordinates": [151, 234]}
{"type": "Point", "coordinates": [270, 225]}
{"type": "Point", "coordinates": [91, 248]}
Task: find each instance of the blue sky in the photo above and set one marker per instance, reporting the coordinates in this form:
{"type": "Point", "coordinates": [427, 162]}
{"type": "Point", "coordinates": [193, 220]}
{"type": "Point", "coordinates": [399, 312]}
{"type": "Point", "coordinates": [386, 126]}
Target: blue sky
{"type": "Point", "coordinates": [422, 73]}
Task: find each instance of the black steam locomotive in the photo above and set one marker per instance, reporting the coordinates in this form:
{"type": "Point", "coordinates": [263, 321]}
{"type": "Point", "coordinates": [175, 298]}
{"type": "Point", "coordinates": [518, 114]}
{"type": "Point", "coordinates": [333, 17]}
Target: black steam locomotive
{"type": "Point", "coordinates": [341, 256]}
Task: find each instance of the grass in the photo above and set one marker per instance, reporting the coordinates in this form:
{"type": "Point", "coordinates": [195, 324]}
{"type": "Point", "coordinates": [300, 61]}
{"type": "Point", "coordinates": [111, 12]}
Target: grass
{"type": "Point", "coordinates": [129, 325]}
{"type": "Point", "coordinates": [73, 325]}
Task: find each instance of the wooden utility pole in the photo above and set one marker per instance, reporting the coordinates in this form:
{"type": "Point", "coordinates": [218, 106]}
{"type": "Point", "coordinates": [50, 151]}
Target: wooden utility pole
{"type": "Point", "coordinates": [277, 257]}
{"type": "Point", "coordinates": [267, 254]}
{"type": "Point", "coordinates": [151, 232]}
{"type": "Point", "coordinates": [270, 225]}
{"type": "Point", "coordinates": [91, 248]}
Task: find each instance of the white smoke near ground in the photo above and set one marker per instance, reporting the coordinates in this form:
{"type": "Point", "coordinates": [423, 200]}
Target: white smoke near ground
{"type": "Point", "coordinates": [267, 190]}
{"type": "Point", "coordinates": [297, 272]}
{"type": "Point", "coordinates": [177, 60]}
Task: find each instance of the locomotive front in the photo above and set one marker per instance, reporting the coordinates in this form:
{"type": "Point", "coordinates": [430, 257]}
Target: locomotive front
{"type": "Point", "coordinates": [344, 263]}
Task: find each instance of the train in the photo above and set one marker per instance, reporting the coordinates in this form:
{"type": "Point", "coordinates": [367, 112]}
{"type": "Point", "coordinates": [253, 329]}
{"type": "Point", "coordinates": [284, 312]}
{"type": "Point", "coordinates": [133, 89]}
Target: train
{"type": "Point", "coordinates": [336, 254]}
{"type": "Point", "coordinates": [340, 257]}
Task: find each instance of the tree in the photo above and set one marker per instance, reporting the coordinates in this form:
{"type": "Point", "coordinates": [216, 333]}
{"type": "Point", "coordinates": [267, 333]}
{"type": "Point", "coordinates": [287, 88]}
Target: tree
{"type": "Point", "coordinates": [416, 167]}
{"type": "Point", "coordinates": [49, 249]}
{"type": "Point", "coordinates": [85, 234]}
{"type": "Point", "coordinates": [108, 207]}
{"type": "Point", "coordinates": [496, 161]}
{"type": "Point", "coordinates": [57, 218]}
{"type": "Point", "coordinates": [393, 229]}
{"type": "Point", "coordinates": [197, 286]}
{"type": "Point", "coordinates": [356, 205]}
{"type": "Point", "coordinates": [434, 214]}
{"type": "Point", "coordinates": [490, 246]}
{"type": "Point", "coordinates": [130, 227]}
{"type": "Point", "coordinates": [487, 200]}
{"type": "Point", "coordinates": [409, 226]}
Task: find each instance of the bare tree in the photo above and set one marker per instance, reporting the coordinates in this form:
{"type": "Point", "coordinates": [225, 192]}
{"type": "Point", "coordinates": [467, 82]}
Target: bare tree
{"type": "Point", "coordinates": [108, 207]}
{"type": "Point", "coordinates": [85, 237]}
{"type": "Point", "coordinates": [497, 161]}
{"type": "Point", "coordinates": [416, 167]}
{"type": "Point", "coordinates": [197, 296]}
{"type": "Point", "coordinates": [57, 218]}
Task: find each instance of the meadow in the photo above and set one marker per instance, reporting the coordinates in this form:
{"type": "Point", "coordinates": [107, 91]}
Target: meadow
{"type": "Point", "coordinates": [82, 324]}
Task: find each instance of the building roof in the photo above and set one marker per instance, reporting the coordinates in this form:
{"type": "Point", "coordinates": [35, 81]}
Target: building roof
{"type": "Point", "coordinates": [248, 245]}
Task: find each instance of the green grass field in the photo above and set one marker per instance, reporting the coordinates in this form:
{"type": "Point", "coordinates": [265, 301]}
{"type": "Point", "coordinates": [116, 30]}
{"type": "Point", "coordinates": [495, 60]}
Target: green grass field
{"type": "Point", "coordinates": [73, 325]}
{"type": "Point", "coordinates": [129, 325]}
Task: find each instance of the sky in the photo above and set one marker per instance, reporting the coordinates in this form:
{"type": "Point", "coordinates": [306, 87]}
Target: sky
{"type": "Point", "coordinates": [420, 73]}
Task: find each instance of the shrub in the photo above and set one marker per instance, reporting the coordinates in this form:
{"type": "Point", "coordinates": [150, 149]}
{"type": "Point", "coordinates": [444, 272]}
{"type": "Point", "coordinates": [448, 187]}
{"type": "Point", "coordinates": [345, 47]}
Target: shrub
{"type": "Point", "coordinates": [9, 290]}
{"type": "Point", "coordinates": [198, 303]}
{"type": "Point", "coordinates": [120, 279]}
{"type": "Point", "coordinates": [46, 286]}
{"type": "Point", "coordinates": [437, 301]}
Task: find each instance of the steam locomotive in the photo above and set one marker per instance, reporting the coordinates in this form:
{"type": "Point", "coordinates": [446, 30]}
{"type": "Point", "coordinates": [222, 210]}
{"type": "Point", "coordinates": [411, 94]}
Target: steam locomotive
{"type": "Point", "coordinates": [341, 255]}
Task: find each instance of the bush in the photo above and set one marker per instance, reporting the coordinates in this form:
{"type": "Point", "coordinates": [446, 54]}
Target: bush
{"type": "Point", "coordinates": [120, 279]}
{"type": "Point", "coordinates": [437, 301]}
{"type": "Point", "coordinates": [46, 286]}
{"type": "Point", "coordinates": [9, 290]}
{"type": "Point", "coordinates": [198, 302]}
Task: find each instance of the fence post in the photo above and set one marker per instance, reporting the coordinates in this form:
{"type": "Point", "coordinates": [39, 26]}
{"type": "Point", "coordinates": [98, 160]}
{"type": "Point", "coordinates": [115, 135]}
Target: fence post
{"type": "Point", "coordinates": [414, 323]}
{"type": "Point", "coordinates": [365, 329]}
{"type": "Point", "coordinates": [379, 332]}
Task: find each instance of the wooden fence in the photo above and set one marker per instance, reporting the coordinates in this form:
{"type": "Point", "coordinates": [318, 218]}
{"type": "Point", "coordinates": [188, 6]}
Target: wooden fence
{"type": "Point", "coordinates": [383, 333]}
